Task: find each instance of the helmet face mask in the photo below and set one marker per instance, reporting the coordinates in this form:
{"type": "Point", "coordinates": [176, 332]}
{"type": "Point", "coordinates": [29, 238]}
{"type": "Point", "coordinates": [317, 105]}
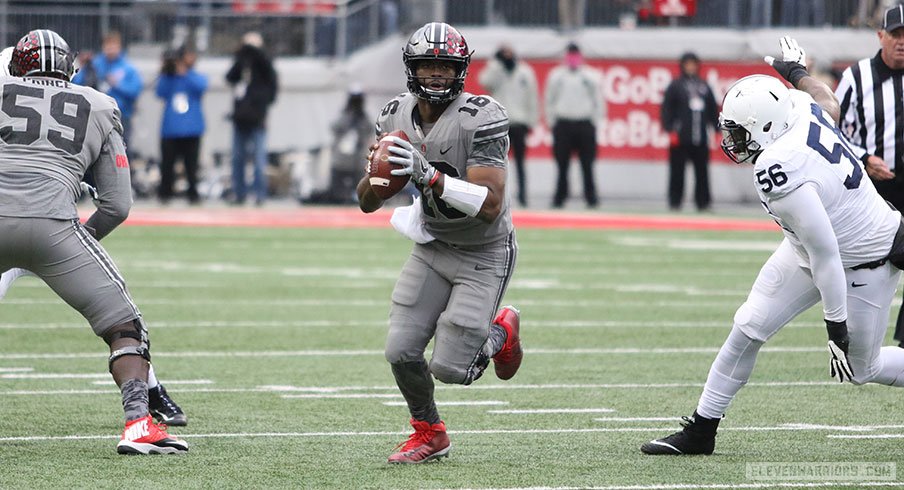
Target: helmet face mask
{"type": "Point", "coordinates": [737, 143]}
{"type": "Point", "coordinates": [436, 41]}
{"type": "Point", "coordinates": [42, 52]}
{"type": "Point", "coordinates": [756, 110]}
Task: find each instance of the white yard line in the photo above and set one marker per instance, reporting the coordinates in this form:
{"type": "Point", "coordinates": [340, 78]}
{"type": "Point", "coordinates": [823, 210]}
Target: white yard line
{"type": "Point", "coordinates": [169, 382]}
{"type": "Point", "coordinates": [375, 352]}
{"type": "Point", "coordinates": [394, 433]}
{"type": "Point", "coordinates": [346, 395]}
{"type": "Point", "coordinates": [314, 390]}
{"type": "Point", "coordinates": [55, 376]}
{"type": "Point", "coordinates": [551, 411]}
{"type": "Point", "coordinates": [471, 403]}
{"type": "Point", "coordinates": [16, 369]}
{"type": "Point", "coordinates": [542, 324]}
{"type": "Point", "coordinates": [715, 486]}
{"type": "Point", "coordinates": [866, 436]}
{"type": "Point", "coordinates": [637, 419]}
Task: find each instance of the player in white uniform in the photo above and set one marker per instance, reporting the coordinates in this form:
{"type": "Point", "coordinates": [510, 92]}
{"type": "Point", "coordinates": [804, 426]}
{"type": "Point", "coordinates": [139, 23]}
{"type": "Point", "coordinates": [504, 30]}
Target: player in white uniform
{"type": "Point", "coordinates": [840, 236]}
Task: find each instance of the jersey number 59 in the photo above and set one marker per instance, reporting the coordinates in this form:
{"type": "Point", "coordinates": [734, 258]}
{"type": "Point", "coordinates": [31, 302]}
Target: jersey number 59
{"type": "Point", "coordinates": [77, 122]}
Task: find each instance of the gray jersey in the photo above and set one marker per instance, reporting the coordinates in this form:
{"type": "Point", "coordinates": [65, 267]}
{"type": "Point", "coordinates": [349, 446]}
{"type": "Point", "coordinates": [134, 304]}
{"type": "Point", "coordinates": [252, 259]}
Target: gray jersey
{"type": "Point", "coordinates": [472, 131]}
{"type": "Point", "coordinates": [51, 133]}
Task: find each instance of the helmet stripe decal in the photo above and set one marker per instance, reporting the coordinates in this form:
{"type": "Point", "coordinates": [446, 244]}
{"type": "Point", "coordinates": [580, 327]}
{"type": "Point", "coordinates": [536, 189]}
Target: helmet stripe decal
{"type": "Point", "coordinates": [51, 53]}
{"type": "Point", "coordinates": [442, 37]}
{"type": "Point", "coordinates": [41, 61]}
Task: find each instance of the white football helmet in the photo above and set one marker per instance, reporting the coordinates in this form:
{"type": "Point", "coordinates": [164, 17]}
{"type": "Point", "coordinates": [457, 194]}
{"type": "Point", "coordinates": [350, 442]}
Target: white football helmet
{"type": "Point", "coordinates": [5, 57]}
{"type": "Point", "coordinates": [755, 112]}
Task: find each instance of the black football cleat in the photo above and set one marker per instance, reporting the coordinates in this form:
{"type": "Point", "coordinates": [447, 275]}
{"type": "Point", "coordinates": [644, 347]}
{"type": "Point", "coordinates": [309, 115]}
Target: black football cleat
{"type": "Point", "coordinates": [698, 436]}
{"type": "Point", "coordinates": [164, 409]}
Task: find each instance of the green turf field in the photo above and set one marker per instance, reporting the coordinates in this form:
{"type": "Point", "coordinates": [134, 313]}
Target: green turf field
{"type": "Point", "coordinates": [271, 340]}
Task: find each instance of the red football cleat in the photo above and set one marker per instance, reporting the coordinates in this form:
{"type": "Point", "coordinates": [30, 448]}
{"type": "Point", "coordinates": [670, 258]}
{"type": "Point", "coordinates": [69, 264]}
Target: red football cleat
{"type": "Point", "coordinates": [428, 442]}
{"type": "Point", "coordinates": [508, 359]}
{"type": "Point", "coordinates": [143, 436]}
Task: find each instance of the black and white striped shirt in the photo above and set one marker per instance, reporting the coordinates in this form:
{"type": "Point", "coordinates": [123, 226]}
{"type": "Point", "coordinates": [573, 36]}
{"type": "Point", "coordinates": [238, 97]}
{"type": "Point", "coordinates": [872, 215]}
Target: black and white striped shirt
{"type": "Point", "coordinates": [872, 109]}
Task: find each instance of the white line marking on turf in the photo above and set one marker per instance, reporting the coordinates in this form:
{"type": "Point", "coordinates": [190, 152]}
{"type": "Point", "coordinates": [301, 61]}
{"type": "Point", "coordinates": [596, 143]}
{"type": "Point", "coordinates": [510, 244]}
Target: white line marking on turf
{"type": "Point", "coordinates": [394, 433]}
{"type": "Point", "coordinates": [637, 419]}
{"type": "Point", "coordinates": [375, 352]}
{"type": "Point", "coordinates": [16, 369]}
{"type": "Point", "coordinates": [552, 410]}
{"type": "Point", "coordinates": [347, 395]}
{"type": "Point", "coordinates": [334, 389]}
{"type": "Point", "coordinates": [475, 403]}
{"type": "Point", "coordinates": [714, 486]}
{"type": "Point", "coordinates": [168, 382]}
{"type": "Point", "coordinates": [55, 376]}
{"type": "Point", "coordinates": [866, 436]}
{"type": "Point", "coordinates": [383, 323]}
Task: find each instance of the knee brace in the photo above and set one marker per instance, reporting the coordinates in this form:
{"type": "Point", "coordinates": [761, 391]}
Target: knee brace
{"type": "Point", "coordinates": [137, 332]}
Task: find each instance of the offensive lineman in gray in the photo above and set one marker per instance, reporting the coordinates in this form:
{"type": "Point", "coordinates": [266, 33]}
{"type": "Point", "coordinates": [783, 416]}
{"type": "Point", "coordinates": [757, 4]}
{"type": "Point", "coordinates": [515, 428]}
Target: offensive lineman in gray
{"type": "Point", "coordinates": [51, 133]}
{"type": "Point", "coordinates": [450, 287]}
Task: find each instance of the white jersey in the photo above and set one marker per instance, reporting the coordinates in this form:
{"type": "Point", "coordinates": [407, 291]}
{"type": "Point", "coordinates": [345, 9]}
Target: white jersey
{"type": "Point", "coordinates": [813, 151]}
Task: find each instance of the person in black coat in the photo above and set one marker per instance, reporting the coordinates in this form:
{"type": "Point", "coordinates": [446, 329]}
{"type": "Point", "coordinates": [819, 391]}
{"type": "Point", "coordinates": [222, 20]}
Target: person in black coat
{"type": "Point", "coordinates": [254, 86]}
{"type": "Point", "coordinates": [688, 110]}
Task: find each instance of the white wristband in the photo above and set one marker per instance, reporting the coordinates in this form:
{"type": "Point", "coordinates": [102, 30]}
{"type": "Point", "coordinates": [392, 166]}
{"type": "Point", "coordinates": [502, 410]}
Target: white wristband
{"type": "Point", "coordinates": [464, 196]}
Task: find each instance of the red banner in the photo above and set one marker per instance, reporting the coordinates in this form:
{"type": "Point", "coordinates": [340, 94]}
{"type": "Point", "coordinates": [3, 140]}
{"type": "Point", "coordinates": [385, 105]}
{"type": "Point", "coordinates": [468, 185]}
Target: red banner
{"type": "Point", "coordinates": [675, 8]}
{"type": "Point", "coordinates": [633, 92]}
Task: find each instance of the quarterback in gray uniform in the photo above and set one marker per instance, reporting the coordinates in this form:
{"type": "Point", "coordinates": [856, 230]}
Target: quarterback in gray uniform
{"type": "Point", "coordinates": [51, 133]}
{"type": "Point", "coordinates": [453, 282]}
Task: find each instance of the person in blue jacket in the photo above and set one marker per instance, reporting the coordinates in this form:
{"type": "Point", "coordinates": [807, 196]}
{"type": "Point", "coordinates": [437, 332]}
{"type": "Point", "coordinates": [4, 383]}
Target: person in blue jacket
{"type": "Point", "coordinates": [117, 77]}
{"type": "Point", "coordinates": [181, 88]}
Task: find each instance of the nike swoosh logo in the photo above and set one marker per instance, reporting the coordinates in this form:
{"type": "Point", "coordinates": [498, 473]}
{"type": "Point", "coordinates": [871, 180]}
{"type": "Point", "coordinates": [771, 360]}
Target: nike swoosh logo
{"type": "Point", "coordinates": [479, 267]}
{"type": "Point", "coordinates": [855, 285]}
{"type": "Point", "coordinates": [443, 152]}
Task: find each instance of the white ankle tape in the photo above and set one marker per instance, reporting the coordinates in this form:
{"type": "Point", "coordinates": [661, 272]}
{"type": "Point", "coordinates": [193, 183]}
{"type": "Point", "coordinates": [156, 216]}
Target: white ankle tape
{"type": "Point", "coordinates": [464, 196]}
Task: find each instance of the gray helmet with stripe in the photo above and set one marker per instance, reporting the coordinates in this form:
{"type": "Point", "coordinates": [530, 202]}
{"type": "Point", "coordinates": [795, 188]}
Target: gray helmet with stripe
{"type": "Point", "coordinates": [436, 41]}
{"type": "Point", "coordinates": [42, 52]}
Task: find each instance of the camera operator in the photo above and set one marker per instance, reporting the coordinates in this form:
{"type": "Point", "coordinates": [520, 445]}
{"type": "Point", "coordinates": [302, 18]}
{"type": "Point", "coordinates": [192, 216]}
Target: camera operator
{"type": "Point", "coordinates": [181, 88]}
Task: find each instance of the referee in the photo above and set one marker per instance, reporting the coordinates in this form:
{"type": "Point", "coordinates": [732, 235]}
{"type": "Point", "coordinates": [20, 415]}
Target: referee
{"type": "Point", "coordinates": [872, 115]}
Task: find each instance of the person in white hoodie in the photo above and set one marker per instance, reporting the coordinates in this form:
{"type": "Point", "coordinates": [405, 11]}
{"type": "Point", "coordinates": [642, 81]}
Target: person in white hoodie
{"type": "Point", "coordinates": [513, 83]}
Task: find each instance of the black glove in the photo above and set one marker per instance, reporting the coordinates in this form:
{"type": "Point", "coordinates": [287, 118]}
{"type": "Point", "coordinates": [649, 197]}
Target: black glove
{"type": "Point", "coordinates": [839, 367]}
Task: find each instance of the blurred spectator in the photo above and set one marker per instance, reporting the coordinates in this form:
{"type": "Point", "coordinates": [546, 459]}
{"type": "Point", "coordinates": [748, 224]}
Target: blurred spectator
{"type": "Point", "coordinates": [688, 110]}
{"type": "Point", "coordinates": [115, 76]}
{"type": "Point", "coordinates": [181, 88]}
{"type": "Point", "coordinates": [574, 106]}
{"type": "Point", "coordinates": [86, 69]}
{"type": "Point", "coordinates": [513, 83]}
{"type": "Point", "coordinates": [254, 85]}
{"type": "Point", "coordinates": [572, 14]}
{"type": "Point", "coordinates": [353, 132]}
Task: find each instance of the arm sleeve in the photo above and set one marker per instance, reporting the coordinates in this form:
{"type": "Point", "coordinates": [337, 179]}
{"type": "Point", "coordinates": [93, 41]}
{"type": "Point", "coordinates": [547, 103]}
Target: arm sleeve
{"type": "Point", "coordinates": [114, 189]}
{"type": "Point", "coordinates": [234, 74]}
{"type": "Point", "coordinates": [533, 96]}
{"type": "Point", "coordinates": [549, 99]}
{"type": "Point", "coordinates": [164, 86]}
{"type": "Point", "coordinates": [489, 77]}
{"type": "Point", "coordinates": [666, 113]}
{"type": "Point", "coordinates": [197, 82]}
{"type": "Point", "coordinates": [803, 212]}
{"type": "Point", "coordinates": [598, 102]}
{"type": "Point", "coordinates": [130, 86]}
{"type": "Point", "coordinates": [491, 153]}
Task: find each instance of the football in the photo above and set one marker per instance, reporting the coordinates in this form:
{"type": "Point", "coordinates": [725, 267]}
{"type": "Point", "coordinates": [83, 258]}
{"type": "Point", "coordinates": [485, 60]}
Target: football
{"type": "Point", "coordinates": [384, 184]}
